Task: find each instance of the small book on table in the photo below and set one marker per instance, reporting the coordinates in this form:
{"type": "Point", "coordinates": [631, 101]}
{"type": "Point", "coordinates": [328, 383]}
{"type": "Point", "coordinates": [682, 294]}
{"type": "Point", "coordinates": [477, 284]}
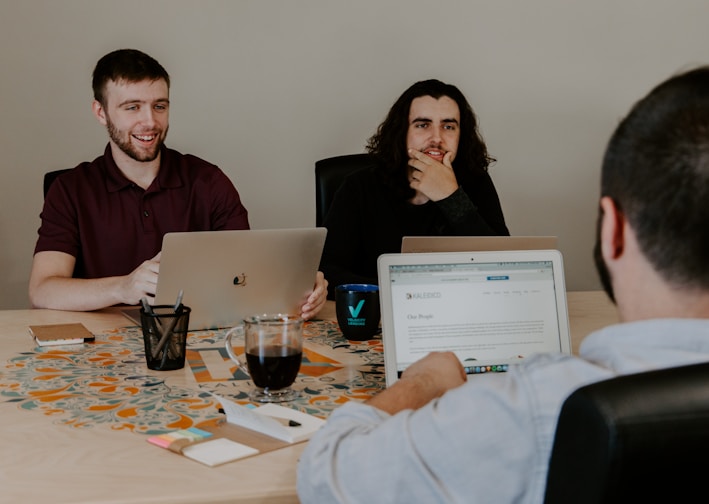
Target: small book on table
{"type": "Point", "coordinates": [61, 334]}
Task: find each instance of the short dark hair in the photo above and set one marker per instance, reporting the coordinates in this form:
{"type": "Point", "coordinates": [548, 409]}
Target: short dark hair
{"type": "Point", "coordinates": [656, 169]}
{"type": "Point", "coordinates": [388, 144]}
{"type": "Point", "coordinates": [128, 65]}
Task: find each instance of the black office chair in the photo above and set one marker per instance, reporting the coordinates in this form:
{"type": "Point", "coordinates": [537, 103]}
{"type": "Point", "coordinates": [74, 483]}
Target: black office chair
{"type": "Point", "coordinates": [49, 178]}
{"type": "Point", "coordinates": [635, 438]}
{"type": "Point", "coordinates": [329, 175]}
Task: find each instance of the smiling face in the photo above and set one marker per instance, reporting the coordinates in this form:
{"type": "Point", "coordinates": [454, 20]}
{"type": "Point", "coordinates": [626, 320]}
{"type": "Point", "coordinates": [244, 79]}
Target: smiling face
{"type": "Point", "coordinates": [136, 115]}
{"type": "Point", "coordinates": [434, 126]}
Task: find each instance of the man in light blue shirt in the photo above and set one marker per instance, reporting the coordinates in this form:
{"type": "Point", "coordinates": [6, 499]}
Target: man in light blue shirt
{"type": "Point", "coordinates": [435, 437]}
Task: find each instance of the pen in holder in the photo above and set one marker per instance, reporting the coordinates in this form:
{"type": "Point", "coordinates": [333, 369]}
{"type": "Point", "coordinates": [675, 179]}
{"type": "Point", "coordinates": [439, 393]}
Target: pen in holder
{"type": "Point", "coordinates": [165, 334]}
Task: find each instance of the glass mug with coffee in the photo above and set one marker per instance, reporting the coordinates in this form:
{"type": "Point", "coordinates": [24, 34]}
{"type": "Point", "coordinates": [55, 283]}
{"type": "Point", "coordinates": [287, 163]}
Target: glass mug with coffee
{"type": "Point", "coordinates": [273, 350]}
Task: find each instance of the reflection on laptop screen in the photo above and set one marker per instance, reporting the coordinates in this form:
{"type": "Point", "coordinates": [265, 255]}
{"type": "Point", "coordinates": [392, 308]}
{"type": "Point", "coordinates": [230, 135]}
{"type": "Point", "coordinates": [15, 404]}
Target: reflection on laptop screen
{"type": "Point", "coordinates": [490, 314]}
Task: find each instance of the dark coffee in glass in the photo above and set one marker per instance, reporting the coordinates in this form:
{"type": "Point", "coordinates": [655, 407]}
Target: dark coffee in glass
{"type": "Point", "coordinates": [273, 350]}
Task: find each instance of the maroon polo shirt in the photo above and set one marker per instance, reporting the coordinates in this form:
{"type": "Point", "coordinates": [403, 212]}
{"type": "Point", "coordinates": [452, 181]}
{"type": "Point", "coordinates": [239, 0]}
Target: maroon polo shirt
{"type": "Point", "coordinates": [110, 225]}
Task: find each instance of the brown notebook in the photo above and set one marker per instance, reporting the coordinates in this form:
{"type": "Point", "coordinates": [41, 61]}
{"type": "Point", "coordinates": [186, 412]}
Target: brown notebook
{"type": "Point", "coordinates": [61, 334]}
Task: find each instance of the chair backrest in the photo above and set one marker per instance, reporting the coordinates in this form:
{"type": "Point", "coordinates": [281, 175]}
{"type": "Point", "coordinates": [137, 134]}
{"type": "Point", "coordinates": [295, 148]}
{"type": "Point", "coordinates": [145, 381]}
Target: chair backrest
{"type": "Point", "coordinates": [634, 438]}
{"type": "Point", "coordinates": [49, 178]}
{"type": "Point", "coordinates": [329, 175]}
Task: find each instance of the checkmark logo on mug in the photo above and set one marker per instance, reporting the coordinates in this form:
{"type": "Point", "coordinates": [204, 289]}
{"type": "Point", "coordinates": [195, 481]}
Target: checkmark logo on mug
{"type": "Point", "coordinates": [355, 311]}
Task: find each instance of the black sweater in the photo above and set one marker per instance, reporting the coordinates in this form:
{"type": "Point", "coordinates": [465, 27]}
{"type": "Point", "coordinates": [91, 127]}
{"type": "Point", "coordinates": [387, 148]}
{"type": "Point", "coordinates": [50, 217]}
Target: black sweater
{"type": "Point", "coordinates": [367, 219]}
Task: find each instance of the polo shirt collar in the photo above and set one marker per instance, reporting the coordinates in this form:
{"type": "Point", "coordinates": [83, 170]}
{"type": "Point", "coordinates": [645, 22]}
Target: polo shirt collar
{"type": "Point", "coordinates": [168, 176]}
{"type": "Point", "coordinates": [115, 180]}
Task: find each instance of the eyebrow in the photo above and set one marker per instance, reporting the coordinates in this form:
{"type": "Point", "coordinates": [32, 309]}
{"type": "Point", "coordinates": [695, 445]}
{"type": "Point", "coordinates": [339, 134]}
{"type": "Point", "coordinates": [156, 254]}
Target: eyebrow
{"type": "Point", "coordinates": [159, 100]}
{"type": "Point", "coordinates": [427, 120]}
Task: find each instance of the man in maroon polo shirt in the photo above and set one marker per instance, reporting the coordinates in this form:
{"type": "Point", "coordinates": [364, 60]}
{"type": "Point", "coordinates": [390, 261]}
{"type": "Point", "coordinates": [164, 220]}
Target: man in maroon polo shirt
{"type": "Point", "coordinates": [103, 222]}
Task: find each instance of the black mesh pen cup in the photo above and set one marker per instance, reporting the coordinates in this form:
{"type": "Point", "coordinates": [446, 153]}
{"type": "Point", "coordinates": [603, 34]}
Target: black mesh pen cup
{"type": "Point", "coordinates": [165, 336]}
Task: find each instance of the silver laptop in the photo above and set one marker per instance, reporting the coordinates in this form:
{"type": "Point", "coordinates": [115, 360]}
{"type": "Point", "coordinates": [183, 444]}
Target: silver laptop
{"type": "Point", "coordinates": [491, 308]}
{"type": "Point", "coordinates": [474, 243]}
{"type": "Point", "coordinates": [227, 275]}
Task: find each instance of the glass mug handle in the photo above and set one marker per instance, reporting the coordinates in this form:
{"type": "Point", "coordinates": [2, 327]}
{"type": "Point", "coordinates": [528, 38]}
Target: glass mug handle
{"type": "Point", "coordinates": [230, 350]}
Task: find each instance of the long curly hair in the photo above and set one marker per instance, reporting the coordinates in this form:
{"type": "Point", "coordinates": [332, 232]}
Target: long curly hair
{"type": "Point", "coordinates": [388, 144]}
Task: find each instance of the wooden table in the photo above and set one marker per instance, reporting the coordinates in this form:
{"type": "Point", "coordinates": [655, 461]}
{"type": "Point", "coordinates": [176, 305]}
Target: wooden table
{"type": "Point", "coordinates": [45, 459]}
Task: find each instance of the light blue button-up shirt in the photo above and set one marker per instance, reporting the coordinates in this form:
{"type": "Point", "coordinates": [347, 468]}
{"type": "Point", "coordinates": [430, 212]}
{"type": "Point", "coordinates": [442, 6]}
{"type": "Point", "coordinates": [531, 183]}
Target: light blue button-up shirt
{"type": "Point", "coordinates": [488, 440]}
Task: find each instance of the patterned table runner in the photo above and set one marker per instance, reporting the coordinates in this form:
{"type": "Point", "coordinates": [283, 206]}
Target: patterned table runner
{"type": "Point", "coordinates": [108, 383]}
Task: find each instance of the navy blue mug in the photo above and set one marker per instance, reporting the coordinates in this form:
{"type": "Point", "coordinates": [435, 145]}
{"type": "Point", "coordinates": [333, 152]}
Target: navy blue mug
{"type": "Point", "coordinates": [357, 309]}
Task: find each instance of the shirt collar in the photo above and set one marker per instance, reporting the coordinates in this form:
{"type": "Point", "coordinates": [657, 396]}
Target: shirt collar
{"type": "Point", "coordinates": [646, 344]}
{"type": "Point", "coordinates": [116, 181]}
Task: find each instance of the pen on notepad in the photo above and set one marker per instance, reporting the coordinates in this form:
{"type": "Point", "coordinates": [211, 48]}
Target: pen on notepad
{"type": "Point", "coordinates": [283, 421]}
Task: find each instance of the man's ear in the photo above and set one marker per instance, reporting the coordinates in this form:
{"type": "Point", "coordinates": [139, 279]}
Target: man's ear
{"type": "Point", "coordinates": [99, 112]}
{"type": "Point", "coordinates": [612, 229]}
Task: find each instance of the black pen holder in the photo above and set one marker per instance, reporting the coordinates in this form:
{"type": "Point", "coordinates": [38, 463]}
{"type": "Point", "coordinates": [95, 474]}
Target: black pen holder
{"type": "Point", "coordinates": [165, 336]}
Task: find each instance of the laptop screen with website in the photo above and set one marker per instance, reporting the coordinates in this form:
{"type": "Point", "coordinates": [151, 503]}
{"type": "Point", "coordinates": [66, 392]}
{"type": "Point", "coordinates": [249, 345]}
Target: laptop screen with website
{"type": "Point", "coordinates": [490, 314]}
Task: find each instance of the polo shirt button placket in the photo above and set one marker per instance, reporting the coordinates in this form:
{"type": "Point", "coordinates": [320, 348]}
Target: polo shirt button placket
{"type": "Point", "coordinates": [147, 219]}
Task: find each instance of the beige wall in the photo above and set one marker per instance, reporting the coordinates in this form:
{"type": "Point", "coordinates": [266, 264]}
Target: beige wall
{"type": "Point", "coordinates": [264, 88]}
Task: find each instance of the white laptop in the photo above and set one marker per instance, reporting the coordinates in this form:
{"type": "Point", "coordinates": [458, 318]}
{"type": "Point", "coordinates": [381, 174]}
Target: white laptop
{"type": "Point", "coordinates": [474, 243]}
{"type": "Point", "coordinates": [228, 275]}
{"type": "Point", "coordinates": [491, 308]}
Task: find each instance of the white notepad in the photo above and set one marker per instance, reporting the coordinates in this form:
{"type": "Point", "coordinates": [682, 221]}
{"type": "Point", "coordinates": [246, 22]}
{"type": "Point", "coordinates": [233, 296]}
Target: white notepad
{"type": "Point", "coordinates": [218, 451]}
{"type": "Point", "coordinates": [264, 420]}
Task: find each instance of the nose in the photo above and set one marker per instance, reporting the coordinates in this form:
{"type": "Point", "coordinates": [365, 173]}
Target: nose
{"type": "Point", "coordinates": [148, 116]}
{"type": "Point", "coordinates": [435, 136]}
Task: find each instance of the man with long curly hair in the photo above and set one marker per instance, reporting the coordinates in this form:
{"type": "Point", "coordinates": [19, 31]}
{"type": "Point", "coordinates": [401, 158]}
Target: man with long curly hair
{"type": "Point", "coordinates": [428, 177]}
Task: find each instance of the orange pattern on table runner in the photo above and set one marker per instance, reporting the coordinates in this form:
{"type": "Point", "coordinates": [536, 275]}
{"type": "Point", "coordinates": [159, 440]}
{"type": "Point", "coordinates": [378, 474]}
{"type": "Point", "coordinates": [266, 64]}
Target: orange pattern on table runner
{"type": "Point", "coordinates": [107, 383]}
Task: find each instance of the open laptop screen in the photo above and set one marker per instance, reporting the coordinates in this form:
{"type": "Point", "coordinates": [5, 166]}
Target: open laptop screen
{"type": "Point", "coordinates": [491, 312]}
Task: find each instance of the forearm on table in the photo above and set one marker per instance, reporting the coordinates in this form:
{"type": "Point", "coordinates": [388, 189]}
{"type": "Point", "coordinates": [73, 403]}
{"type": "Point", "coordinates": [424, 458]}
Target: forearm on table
{"type": "Point", "coordinates": [75, 294]}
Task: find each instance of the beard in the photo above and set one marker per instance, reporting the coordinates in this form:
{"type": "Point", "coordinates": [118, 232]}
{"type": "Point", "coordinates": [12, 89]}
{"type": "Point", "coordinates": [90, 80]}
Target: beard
{"type": "Point", "coordinates": [122, 140]}
{"type": "Point", "coordinates": [603, 273]}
